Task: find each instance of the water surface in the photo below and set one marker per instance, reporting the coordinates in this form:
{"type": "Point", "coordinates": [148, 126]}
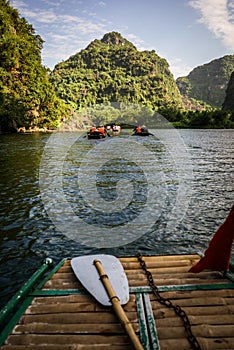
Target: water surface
{"type": "Point", "coordinates": [28, 235]}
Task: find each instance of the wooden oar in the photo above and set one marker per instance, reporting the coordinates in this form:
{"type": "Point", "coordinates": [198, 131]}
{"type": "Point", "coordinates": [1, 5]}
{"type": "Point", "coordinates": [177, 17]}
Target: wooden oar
{"type": "Point", "coordinates": [104, 277]}
{"type": "Point", "coordinates": [117, 306]}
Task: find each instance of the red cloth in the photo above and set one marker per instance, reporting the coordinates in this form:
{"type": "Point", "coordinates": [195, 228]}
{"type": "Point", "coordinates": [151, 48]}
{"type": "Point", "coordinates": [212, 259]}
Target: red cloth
{"type": "Point", "coordinates": [217, 256]}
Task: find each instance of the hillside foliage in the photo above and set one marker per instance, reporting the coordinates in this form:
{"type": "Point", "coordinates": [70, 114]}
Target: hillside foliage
{"type": "Point", "coordinates": [97, 83]}
{"type": "Point", "coordinates": [113, 70]}
{"type": "Point", "coordinates": [208, 82]}
{"type": "Point", "coordinates": [27, 97]}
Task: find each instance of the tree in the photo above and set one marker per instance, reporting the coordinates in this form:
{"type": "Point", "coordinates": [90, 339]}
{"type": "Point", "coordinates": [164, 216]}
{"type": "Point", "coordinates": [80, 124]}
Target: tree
{"type": "Point", "coordinates": [26, 95]}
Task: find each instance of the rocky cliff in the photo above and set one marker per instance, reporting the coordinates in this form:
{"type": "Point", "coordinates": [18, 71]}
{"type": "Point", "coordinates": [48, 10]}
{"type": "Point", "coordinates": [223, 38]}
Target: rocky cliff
{"type": "Point", "coordinates": [208, 83]}
{"type": "Point", "coordinates": [229, 100]}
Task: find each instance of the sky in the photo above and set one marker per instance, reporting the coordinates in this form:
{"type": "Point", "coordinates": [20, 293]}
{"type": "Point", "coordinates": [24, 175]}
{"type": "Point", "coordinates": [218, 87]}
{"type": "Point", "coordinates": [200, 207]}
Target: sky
{"type": "Point", "coordinates": [187, 33]}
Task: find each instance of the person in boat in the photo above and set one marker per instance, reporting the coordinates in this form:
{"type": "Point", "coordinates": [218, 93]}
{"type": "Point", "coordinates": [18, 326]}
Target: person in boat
{"type": "Point", "coordinates": [144, 129]}
{"type": "Point", "coordinates": [93, 129]}
{"type": "Point", "coordinates": [116, 128]}
{"type": "Point", "coordinates": [102, 130]}
{"type": "Point", "coordinates": [137, 129]}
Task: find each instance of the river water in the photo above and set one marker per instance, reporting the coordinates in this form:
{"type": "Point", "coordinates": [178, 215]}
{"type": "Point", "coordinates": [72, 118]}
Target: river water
{"type": "Point", "coordinates": [166, 198]}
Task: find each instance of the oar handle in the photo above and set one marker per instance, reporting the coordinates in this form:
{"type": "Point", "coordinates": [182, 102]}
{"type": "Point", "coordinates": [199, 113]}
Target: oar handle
{"type": "Point", "coordinates": [117, 306]}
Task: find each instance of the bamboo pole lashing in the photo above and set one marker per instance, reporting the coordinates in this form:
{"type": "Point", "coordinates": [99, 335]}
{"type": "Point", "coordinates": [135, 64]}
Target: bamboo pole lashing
{"type": "Point", "coordinates": [207, 331]}
{"type": "Point", "coordinates": [196, 320]}
{"type": "Point", "coordinates": [71, 328]}
{"type": "Point", "coordinates": [67, 339]}
{"type": "Point", "coordinates": [105, 346]}
{"type": "Point", "coordinates": [63, 307]}
{"type": "Point", "coordinates": [162, 258]}
{"type": "Point", "coordinates": [206, 344]}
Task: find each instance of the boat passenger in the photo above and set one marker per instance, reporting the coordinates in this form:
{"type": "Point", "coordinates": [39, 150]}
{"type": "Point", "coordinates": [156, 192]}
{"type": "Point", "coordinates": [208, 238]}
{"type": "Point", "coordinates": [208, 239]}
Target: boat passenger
{"type": "Point", "coordinates": [116, 128]}
{"type": "Point", "coordinates": [102, 130]}
{"type": "Point", "coordinates": [93, 129]}
{"type": "Point", "coordinates": [144, 129]}
{"type": "Point", "coordinates": [138, 129]}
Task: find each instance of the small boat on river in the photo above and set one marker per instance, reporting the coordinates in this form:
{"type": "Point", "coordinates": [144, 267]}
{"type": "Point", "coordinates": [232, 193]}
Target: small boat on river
{"type": "Point", "coordinates": [96, 136]}
{"type": "Point", "coordinates": [141, 131]}
{"type": "Point", "coordinates": [55, 310]}
{"type": "Point", "coordinates": [97, 132]}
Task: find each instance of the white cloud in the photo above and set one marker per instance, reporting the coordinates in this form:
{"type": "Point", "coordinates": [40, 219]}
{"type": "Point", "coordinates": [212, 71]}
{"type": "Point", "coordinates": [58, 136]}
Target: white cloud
{"type": "Point", "coordinates": [18, 4]}
{"type": "Point", "coordinates": [102, 3]}
{"type": "Point", "coordinates": [138, 42]}
{"type": "Point", "coordinates": [178, 68]}
{"type": "Point", "coordinates": [63, 34]}
{"type": "Point", "coordinates": [64, 40]}
{"type": "Point", "coordinates": [68, 22]}
{"type": "Point", "coordinates": [218, 16]}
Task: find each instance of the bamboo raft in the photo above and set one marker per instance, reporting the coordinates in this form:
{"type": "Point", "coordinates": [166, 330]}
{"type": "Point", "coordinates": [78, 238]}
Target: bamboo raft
{"type": "Point", "coordinates": [58, 313]}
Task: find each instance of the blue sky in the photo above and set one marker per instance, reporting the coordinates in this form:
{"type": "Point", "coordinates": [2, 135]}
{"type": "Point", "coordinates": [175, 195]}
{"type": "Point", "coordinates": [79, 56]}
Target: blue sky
{"type": "Point", "coordinates": [187, 33]}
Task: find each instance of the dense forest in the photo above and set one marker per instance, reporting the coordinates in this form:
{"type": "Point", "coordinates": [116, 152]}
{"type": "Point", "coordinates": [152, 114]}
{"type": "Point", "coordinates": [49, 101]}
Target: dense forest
{"type": "Point", "coordinates": [112, 69]}
{"type": "Point", "coordinates": [208, 82]}
{"type": "Point", "coordinates": [109, 73]}
{"type": "Point", "coordinates": [27, 98]}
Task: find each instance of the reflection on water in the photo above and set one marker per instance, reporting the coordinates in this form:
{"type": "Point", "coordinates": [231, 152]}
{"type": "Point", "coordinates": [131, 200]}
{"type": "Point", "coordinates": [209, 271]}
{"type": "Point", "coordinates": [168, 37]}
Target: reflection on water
{"type": "Point", "coordinates": [28, 235]}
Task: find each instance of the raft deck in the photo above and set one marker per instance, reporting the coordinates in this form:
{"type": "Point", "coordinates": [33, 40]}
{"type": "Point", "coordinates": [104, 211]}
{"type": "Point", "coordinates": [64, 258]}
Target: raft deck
{"type": "Point", "coordinates": [60, 314]}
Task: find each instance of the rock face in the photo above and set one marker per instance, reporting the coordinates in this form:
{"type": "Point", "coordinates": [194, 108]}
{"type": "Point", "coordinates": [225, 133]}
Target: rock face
{"type": "Point", "coordinates": [208, 83]}
{"type": "Point", "coordinates": [229, 100]}
{"type": "Point", "coordinates": [115, 39]}
{"type": "Point", "coordinates": [112, 69]}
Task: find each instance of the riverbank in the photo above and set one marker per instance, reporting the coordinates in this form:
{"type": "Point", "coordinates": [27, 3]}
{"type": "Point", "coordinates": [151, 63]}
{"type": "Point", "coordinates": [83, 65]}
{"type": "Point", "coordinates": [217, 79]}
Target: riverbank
{"type": "Point", "coordinates": [23, 130]}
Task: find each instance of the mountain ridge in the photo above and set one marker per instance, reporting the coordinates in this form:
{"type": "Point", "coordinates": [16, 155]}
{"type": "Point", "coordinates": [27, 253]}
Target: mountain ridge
{"type": "Point", "coordinates": [112, 69]}
{"type": "Point", "coordinates": [208, 82]}
{"type": "Point", "coordinates": [228, 104]}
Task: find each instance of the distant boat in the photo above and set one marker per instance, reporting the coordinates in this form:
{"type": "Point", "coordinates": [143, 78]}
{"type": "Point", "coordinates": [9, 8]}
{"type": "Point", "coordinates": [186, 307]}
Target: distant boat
{"type": "Point", "coordinates": [96, 135]}
{"type": "Point", "coordinates": [142, 133]}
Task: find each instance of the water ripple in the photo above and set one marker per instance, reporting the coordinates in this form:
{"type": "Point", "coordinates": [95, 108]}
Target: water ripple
{"type": "Point", "coordinates": [28, 235]}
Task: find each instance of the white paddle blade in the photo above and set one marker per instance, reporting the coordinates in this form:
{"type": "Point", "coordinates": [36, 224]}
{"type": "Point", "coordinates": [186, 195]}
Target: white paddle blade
{"type": "Point", "coordinates": [87, 274]}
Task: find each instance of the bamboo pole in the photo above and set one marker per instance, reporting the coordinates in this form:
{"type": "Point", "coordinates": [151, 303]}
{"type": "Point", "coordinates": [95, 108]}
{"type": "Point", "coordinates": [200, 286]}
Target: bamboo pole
{"type": "Point", "coordinates": [117, 306]}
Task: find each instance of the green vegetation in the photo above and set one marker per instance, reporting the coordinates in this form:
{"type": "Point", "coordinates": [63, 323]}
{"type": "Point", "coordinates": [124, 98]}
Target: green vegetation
{"type": "Point", "coordinates": [113, 70]}
{"type": "Point", "coordinates": [110, 80]}
{"type": "Point", "coordinates": [207, 119]}
{"type": "Point", "coordinates": [99, 81]}
{"type": "Point", "coordinates": [27, 98]}
{"type": "Point", "coordinates": [208, 82]}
